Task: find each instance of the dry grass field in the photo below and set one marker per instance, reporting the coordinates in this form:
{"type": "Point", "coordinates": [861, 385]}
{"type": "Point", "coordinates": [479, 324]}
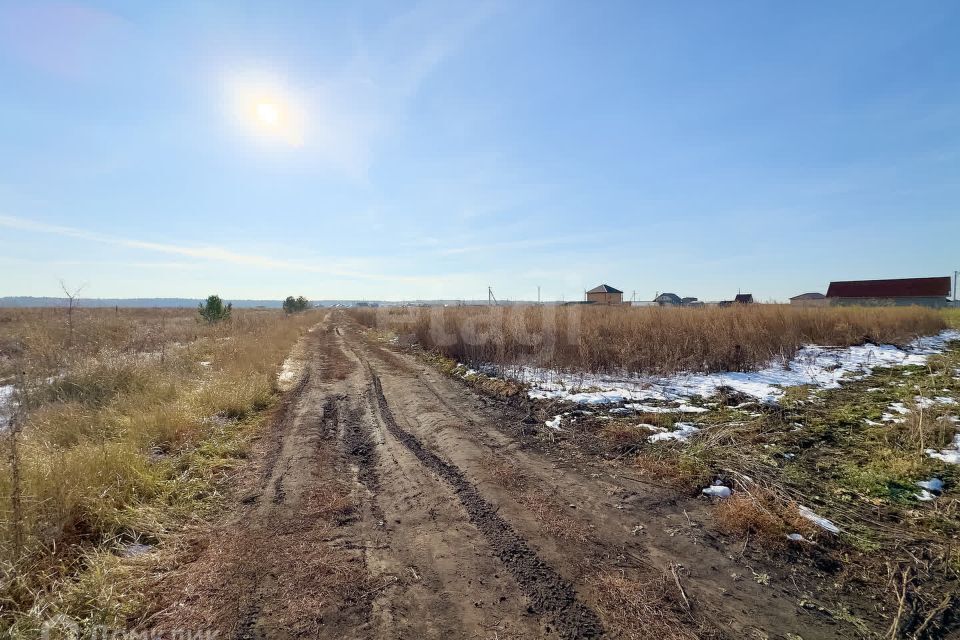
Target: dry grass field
{"type": "Point", "coordinates": [858, 453]}
{"type": "Point", "coordinates": [644, 340]}
{"type": "Point", "coordinates": [142, 487]}
{"type": "Point", "coordinates": [127, 422]}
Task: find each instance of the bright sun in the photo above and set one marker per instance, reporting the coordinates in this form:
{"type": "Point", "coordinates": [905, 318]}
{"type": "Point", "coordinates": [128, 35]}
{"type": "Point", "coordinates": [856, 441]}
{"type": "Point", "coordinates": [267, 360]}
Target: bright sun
{"type": "Point", "coordinates": [268, 110]}
{"type": "Point", "coordinates": [268, 113]}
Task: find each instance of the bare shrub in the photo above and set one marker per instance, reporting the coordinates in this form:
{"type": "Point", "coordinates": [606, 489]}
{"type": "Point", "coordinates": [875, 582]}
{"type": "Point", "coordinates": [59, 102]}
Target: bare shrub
{"type": "Point", "coordinates": [761, 515]}
{"type": "Point", "coordinates": [641, 609]}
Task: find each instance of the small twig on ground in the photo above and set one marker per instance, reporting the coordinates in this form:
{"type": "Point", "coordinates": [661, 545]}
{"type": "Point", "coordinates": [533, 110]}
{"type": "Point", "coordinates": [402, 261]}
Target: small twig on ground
{"type": "Point", "coordinates": [381, 587]}
{"type": "Point", "coordinates": [940, 608]}
{"type": "Point", "coordinates": [894, 631]}
{"type": "Point", "coordinates": [676, 578]}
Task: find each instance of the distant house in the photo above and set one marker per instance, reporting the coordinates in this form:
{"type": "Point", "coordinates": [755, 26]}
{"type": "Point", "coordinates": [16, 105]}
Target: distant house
{"type": "Point", "coordinates": [743, 298]}
{"type": "Point", "coordinates": [812, 299]}
{"type": "Point", "coordinates": [605, 294]}
{"type": "Point", "coordinates": [901, 292]}
{"type": "Point", "coordinates": [668, 300]}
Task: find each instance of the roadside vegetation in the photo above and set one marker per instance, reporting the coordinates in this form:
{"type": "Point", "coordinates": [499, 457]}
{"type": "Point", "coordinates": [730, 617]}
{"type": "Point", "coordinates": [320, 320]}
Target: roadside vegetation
{"type": "Point", "coordinates": [125, 425]}
{"type": "Point", "coordinates": [858, 456]}
{"type": "Point", "coordinates": [867, 457]}
{"type": "Point", "coordinates": [295, 305]}
{"type": "Point", "coordinates": [588, 339]}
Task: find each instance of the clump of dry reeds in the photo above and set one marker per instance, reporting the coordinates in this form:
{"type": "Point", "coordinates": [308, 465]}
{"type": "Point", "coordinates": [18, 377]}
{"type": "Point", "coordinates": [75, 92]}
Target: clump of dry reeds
{"type": "Point", "coordinates": [652, 607]}
{"type": "Point", "coordinates": [644, 340]}
{"type": "Point", "coordinates": [761, 515]}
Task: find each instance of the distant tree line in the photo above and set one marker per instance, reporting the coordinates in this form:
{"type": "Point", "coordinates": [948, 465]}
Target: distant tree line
{"type": "Point", "coordinates": [295, 305]}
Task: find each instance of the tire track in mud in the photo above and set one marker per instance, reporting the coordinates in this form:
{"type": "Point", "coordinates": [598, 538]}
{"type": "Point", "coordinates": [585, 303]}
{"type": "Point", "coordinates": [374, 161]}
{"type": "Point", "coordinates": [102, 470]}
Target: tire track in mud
{"type": "Point", "coordinates": [550, 595]}
{"type": "Point", "coordinates": [359, 446]}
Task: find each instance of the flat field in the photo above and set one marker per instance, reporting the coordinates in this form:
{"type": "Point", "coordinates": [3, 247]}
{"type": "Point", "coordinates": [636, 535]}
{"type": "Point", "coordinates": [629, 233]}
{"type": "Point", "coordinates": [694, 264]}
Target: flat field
{"type": "Point", "coordinates": [484, 473]}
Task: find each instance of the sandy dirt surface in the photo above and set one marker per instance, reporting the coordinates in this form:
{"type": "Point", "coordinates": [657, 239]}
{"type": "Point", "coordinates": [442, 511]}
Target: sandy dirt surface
{"type": "Point", "coordinates": [389, 501]}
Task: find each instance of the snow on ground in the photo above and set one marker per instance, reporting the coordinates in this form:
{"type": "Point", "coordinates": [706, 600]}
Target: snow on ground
{"type": "Point", "coordinates": [682, 433]}
{"type": "Point", "coordinates": [820, 521]}
{"type": "Point", "coordinates": [290, 372]}
{"type": "Point", "coordinates": [933, 484]}
{"type": "Point", "coordinates": [717, 491]}
{"type": "Point", "coordinates": [951, 454]}
{"type": "Point", "coordinates": [930, 489]}
{"type": "Point", "coordinates": [822, 367]}
{"type": "Point", "coordinates": [649, 408]}
{"type": "Point", "coordinates": [6, 406]}
{"type": "Point", "coordinates": [555, 423]}
{"type": "Point", "coordinates": [926, 403]}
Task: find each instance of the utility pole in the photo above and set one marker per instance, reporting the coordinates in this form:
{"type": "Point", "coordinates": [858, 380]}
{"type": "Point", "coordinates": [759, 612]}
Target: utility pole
{"type": "Point", "coordinates": [955, 274]}
{"type": "Point", "coordinates": [538, 294]}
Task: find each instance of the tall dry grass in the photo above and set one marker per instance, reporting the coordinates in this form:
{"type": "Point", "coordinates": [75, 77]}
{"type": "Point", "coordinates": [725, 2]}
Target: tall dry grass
{"type": "Point", "coordinates": [128, 422]}
{"type": "Point", "coordinates": [644, 340]}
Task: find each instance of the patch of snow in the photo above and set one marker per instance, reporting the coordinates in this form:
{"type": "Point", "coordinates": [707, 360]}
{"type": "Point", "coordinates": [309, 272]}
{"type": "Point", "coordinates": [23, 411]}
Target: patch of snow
{"type": "Point", "coordinates": [555, 423]}
{"type": "Point", "coordinates": [651, 427]}
{"type": "Point", "coordinates": [204, 363]}
{"type": "Point", "coordinates": [933, 484]}
{"type": "Point", "coordinates": [822, 367]}
{"type": "Point", "coordinates": [290, 372]}
{"type": "Point", "coordinates": [717, 491]}
{"type": "Point", "coordinates": [899, 407]}
{"type": "Point", "coordinates": [950, 455]}
{"type": "Point", "coordinates": [944, 400]}
{"type": "Point", "coordinates": [925, 496]}
{"type": "Point", "coordinates": [134, 549]}
{"type": "Point", "coordinates": [6, 406]}
{"type": "Point", "coordinates": [796, 537]}
{"type": "Point", "coordinates": [820, 521]}
{"type": "Point", "coordinates": [649, 408]}
{"type": "Point", "coordinates": [682, 433]}
{"type": "Point", "coordinates": [871, 423]}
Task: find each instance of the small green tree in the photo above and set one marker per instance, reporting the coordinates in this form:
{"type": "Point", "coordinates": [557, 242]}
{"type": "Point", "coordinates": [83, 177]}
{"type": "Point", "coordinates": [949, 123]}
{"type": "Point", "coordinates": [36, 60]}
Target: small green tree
{"type": "Point", "coordinates": [295, 305]}
{"type": "Point", "coordinates": [213, 310]}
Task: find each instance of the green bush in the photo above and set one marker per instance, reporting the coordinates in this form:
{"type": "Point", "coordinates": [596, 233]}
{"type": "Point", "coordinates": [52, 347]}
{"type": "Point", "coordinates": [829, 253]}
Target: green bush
{"type": "Point", "coordinates": [295, 305]}
{"type": "Point", "coordinates": [213, 310]}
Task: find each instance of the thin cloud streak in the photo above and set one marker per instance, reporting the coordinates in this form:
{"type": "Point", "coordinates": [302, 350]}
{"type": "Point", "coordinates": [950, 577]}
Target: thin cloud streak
{"type": "Point", "coordinates": [530, 243]}
{"type": "Point", "coordinates": [207, 253]}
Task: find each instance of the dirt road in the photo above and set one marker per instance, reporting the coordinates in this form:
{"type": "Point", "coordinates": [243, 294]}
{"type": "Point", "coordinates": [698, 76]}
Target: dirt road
{"type": "Point", "coordinates": [389, 501]}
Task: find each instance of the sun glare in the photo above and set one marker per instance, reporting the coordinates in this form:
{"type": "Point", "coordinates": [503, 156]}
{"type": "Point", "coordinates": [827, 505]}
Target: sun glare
{"type": "Point", "coordinates": [268, 111]}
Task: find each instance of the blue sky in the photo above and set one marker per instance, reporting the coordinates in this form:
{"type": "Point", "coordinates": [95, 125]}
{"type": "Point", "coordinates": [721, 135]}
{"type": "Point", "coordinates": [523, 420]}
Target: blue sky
{"type": "Point", "coordinates": [431, 149]}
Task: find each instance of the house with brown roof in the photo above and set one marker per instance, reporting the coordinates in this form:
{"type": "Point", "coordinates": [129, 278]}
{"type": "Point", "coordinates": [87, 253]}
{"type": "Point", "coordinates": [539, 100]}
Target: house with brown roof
{"type": "Point", "coordinates": [605, 294]}
{"type": "Point", "coordinates": [812, 299]}
{"type": "Point", "coordinates": [901, 292]}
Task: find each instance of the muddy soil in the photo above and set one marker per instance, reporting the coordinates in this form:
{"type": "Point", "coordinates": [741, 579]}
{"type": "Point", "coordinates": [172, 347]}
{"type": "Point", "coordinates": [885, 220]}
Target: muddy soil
{"type": "Point", "coordinates": [389, 501]}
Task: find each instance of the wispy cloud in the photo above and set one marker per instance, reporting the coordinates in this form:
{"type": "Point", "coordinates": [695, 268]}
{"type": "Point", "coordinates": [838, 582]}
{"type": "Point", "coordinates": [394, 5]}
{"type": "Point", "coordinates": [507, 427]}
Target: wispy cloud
{"type": "Point", "coordinates": [218, 254]}
{"type": "Point", "coordinates": [583, 239]}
